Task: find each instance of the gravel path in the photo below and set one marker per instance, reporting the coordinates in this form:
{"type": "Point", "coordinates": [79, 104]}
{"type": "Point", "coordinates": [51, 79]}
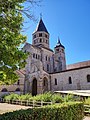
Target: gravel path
{"type": "Point", "coordinates": [4, 107]}
{"type": "Point", "coordinates": [86, 118]}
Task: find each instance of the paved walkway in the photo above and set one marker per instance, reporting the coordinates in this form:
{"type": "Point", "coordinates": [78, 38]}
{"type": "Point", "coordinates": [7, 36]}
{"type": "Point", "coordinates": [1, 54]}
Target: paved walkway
{"type": "Point", "coordinates": [86, 118]}
{"type": "Point", "coordinates": [4, 107]}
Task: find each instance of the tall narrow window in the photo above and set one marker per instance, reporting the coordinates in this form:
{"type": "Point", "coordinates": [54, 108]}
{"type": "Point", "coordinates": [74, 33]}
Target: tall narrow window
{"type": "Point", "coordinates": [47, 67]}
{"type": "Point", "coordinates": [40, 40]}
{"type": "Point", "coordinates": [88, 78]}
{"type": "Point", "coordinates": [18, 82]}
{"type": "Point", "coordinates": [45, 35]}
{"type": "Point", "coordinates": [46, 58]}
{"type": "Point", "coordinates": [55, 81]}
{"type": "Point", "coordinates": [70, 80]}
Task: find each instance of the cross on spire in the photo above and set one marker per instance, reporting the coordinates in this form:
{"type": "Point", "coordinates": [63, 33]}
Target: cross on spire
{"type": "Point", "coordinates": [59, 41]}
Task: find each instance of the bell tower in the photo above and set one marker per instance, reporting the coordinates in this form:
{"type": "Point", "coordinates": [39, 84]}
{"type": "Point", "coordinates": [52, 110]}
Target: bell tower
{"type": "Point", "coordinates": [59, 57]}
{"type": "Point", "coordinates": [40, 37]}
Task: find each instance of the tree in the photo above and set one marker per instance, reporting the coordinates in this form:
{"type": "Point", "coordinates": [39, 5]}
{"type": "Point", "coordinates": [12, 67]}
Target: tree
{"type": "Point", "coordinates": [11, 23]}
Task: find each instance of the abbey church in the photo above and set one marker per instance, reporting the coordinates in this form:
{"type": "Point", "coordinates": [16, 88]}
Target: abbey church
{"type": "Point", "coordinates": [46, 70]}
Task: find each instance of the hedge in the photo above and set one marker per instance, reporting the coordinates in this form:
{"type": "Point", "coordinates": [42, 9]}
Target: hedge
{"type": "Point", "coordinates": [65, 111]}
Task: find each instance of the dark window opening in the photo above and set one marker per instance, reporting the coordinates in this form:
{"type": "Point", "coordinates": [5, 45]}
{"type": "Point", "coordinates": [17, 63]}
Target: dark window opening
{"type": "Point", "coordinates": [18, 82]}
{"type": "Point", "coordinates": [44, 83]}
{"type": "Point", "coordinates": [40, 34]}
{"type": "Point", "coordinates": [40, 40]}
{"type": "Point", "coordinates": [47, 67]}
{"type": "Point", "coordinates": [88, 78]}
{"type": "Point", "coordinates": [70, 80]}
{"type": "Point", "coordinates": [57, 50]}
{"type": "Point", "coordinates": [18, 90]}
{"type": "Point", "coordinates": [46, 41]}
{"type": "Point", "coordinates": [46, 58]}
{"type": "Point", "coordinates": [34, 36]}
{"type": "Point", "coordinates": [55, 81]}
{"type": "Point", "coordinates": [33, 55]}
{"type": "Point", "coordinates": [4, 90]}
{"type": "Point", "coordinates": [45, 35]}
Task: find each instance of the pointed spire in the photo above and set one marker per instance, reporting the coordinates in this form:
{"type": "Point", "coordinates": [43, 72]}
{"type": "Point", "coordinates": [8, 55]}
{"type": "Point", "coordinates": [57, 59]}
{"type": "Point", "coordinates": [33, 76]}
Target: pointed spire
{"type": "Point", "coordinates": [59, 43]}
{"type": "Point", "coordinates": [41, 26]}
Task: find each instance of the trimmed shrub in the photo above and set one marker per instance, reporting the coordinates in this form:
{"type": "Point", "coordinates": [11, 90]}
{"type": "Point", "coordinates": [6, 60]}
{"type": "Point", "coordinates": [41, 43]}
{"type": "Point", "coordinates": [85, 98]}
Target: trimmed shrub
{"type": "Point", "coordinates": [65, 111]}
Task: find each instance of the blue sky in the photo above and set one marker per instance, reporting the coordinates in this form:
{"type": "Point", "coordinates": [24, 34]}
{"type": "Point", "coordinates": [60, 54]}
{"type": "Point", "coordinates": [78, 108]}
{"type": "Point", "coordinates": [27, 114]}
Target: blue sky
{"type": "Point", "coordinates": [68, 19]}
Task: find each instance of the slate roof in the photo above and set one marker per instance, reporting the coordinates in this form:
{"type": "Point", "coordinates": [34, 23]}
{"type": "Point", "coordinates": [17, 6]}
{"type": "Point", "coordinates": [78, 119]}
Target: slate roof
{"type": "Point", "coordinates": [41, 27]}
{"type": "Point", "coordinates": [59, 44]}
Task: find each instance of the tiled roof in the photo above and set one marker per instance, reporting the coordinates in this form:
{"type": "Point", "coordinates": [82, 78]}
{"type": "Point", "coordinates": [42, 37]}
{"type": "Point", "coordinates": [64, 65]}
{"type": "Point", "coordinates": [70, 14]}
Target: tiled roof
{"type": "Point", "coordinates": [41, 27]}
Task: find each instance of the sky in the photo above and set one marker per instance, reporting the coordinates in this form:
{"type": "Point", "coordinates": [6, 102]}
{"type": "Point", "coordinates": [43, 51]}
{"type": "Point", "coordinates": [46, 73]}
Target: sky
{"type": "Point", "coordinates": [70, 21]}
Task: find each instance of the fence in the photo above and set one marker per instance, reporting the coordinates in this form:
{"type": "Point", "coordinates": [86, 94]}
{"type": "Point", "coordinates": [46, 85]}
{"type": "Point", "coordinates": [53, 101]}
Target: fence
{"type": "Point", "coordinates": [31, 103]}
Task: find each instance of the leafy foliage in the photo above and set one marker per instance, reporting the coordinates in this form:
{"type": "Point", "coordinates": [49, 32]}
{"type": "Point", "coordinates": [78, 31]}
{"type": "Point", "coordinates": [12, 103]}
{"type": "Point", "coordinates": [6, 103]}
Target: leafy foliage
{"type": "Point", "coordinates": [11, 57]}
{"type": "Point", "coordinates": [46, 97]}
{"type": "Point", "coordinates": [87, 101]}
{"type": "Point", "coordinates": [66, 111]}
{"type": "Point", "coordinates": [11, 24]}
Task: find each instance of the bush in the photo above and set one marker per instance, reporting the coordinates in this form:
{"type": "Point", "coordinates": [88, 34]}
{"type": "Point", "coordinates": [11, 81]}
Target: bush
{"type": "Point", "coordinates": [65, 111]}
{"type": "Point", "coordinates": [12, 97]}
{"type": "Point", "coordinates": [25, 97]}
{"type": "Point", "coordinates": [57, 98]}
{"type": "Point", "coordinates": [69, 98]}
{"type": "Point", "coordinates": [87, 101]}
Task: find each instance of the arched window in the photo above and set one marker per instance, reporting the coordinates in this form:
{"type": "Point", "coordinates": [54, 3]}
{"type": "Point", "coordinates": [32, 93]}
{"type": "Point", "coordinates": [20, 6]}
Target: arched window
{"type": "Point", "coordinates": [18, 90]}
{"type": "Point", "coordinates": [45, 35]}
{"type": "Point", "coordinates": [46, 58]}
{"type": "Point", "coordinates": [47, 67]}
{"type": "Point", "coordinates": [4, 90]}
{"type": "Point", "coordinates": [55, 81]}
{"type": "Point", "coordinates": [70, 80]}
{"type": "Point", "coordinates": [18, 82]}
{"type": "Point", "coordinates": [40, 40]}
{"type": "Point", "coordinates": [88, 78]}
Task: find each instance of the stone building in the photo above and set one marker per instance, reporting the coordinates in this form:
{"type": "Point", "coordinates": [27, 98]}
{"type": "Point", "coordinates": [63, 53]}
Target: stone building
{"type": "Point", "coordinates": [17, 87]}
{"type": "Point", "coordinates": [46, 69]}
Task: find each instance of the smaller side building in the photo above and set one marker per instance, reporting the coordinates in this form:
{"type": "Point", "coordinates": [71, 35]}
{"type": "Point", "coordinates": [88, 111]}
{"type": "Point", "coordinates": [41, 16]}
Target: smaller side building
{"type": "Point", "coordinates": [17, 87]}
{"type": "Point", "coordinates": [71, 79]}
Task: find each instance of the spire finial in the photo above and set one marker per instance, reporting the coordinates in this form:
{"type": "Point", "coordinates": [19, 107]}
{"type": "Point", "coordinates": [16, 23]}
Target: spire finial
{"type": "Point", "coordinates": [40, 15]}
{"type": "Point", "coordinates": [58, 40]}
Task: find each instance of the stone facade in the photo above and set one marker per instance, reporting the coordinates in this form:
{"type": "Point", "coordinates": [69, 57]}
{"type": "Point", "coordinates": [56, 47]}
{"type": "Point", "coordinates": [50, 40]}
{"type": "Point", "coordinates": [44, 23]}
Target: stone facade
{"type": "Point", "coordinates": [17, 87]}
{"type": "Point", "coordinates": [46, 69]}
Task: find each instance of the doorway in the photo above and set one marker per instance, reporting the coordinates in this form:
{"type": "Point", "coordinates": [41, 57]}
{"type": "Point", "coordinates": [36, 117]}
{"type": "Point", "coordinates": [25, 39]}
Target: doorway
{"type": "Point", "coordinates": [34, 87]}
